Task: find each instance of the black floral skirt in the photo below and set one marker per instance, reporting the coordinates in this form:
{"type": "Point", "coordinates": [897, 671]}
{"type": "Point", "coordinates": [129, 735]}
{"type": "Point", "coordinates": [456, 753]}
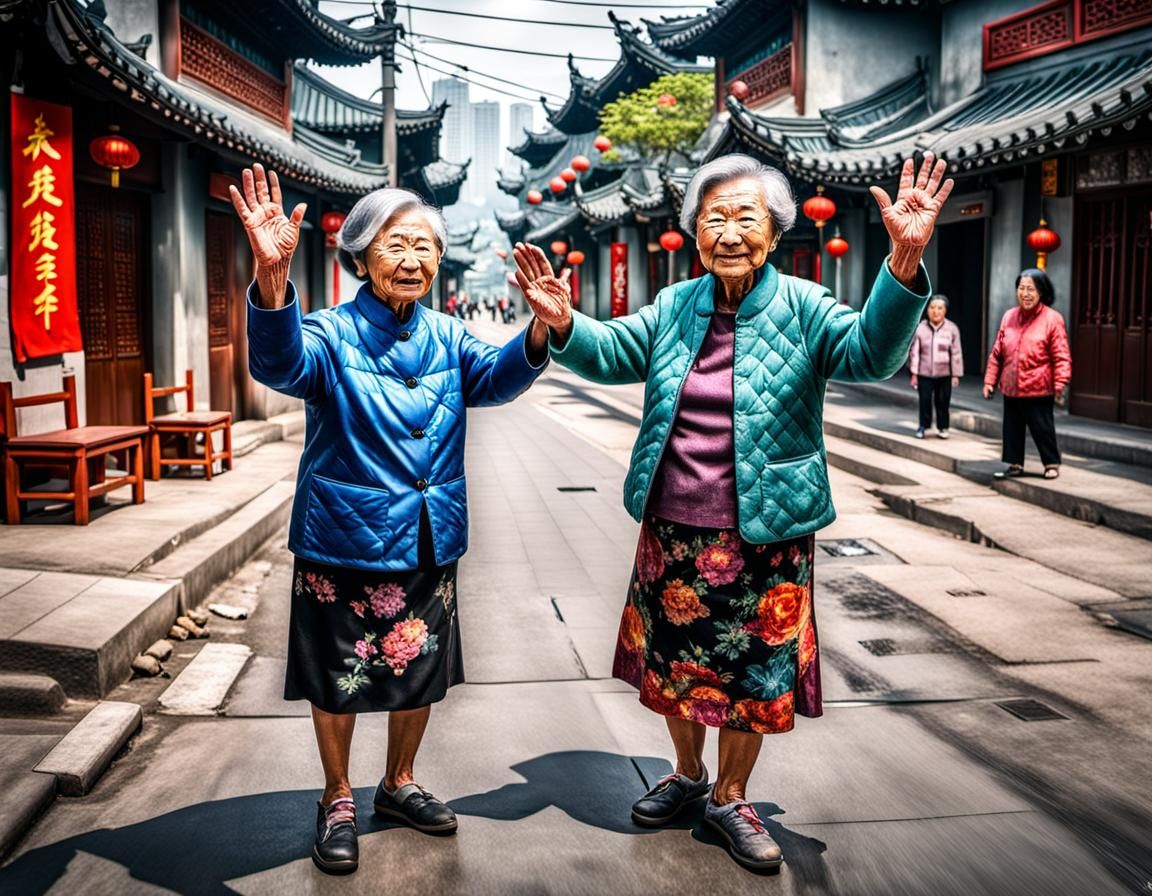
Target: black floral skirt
{"type": "Point", "coordinates": [720, 631]}
{"type": "Point", "coordinates": [367, 641]}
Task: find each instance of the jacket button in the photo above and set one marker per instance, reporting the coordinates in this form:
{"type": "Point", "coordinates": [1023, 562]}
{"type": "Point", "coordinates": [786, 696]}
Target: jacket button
{"type": "Point", "coordinates": [421, 484]}
{"type": "Point", "coordinates": [405, 335]}
{"type": "Point", "coordinates": [417, 433]}
{"type": "Point", "coordinates": [410, 382]}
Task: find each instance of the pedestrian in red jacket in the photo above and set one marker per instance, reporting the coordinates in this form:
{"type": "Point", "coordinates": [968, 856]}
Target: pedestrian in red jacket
{"type": "Point", "coordinates": [936, 364]}
{"type": "Point", "coordinates": [1032, 365]}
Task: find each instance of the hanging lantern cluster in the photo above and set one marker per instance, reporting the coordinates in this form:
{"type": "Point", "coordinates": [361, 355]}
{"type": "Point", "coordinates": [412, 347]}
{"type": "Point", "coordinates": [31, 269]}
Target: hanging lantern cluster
{"type": "Point", "coordinates": [568, 175]}
{"type": "Point", "coordinates": [534, 197]}
{"type": "Point", "coordinates": [559, 247]}
{"type": "Point", "coordinates": [575, 257]}
{"type": "Point", "coordinates": [671, 241]}
{"type": "Point", "coordinates": [836, 246]}
{"type": "Point", "coordinates": [581, 163]}
{"type": "Point", "coordinates": [330, 223]}
{"type": "Point", "coordinates": [557, 185]}
{"type": "Point", "coordinates": [819, 208]}
{"type": "Point", "coordinates": [602, 143]}
{"type": "Point", "coordinates": [115, 152]}
{"type": "Point", "coordinates": [1042, 241]}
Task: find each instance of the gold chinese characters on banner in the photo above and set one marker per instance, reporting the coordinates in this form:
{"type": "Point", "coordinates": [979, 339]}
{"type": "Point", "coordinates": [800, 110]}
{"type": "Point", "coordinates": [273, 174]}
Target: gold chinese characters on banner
{"type": "Point", "coordinates": [45, 319]}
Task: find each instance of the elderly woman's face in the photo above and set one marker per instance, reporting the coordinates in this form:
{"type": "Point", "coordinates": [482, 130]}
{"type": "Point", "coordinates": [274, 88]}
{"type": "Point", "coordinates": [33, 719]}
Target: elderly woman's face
{"type": "Point", "coordinates": [734, 229]}
{"type": "Point", "coordinates": [937, 311]}
{"type": "Point", "coordinates": [1027, 294]}
{"type": "Point", "coordinates": [403, 259]}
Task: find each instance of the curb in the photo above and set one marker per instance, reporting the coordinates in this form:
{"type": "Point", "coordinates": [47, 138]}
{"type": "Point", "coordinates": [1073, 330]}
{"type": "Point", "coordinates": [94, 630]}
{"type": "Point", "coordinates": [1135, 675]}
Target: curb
{"type": "Point", "coordinates": [83, 754]}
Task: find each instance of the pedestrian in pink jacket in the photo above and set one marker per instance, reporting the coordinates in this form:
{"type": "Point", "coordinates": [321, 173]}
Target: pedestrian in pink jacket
{"type": "Point", "coordinates": [1031, 363]}
{"type": "Point", "coordinates": [936, 363]}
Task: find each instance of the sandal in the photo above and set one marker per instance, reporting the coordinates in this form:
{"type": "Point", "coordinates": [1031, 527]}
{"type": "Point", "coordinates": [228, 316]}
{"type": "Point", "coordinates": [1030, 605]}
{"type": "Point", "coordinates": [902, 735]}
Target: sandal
{"type": "Point", "coordinates": [1051, 472]}
{"type": "Point", "coordinates": [1011, 473]}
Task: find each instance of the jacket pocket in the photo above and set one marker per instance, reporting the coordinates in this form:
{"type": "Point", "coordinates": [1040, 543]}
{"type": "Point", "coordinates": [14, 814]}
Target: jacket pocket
{"type": "Point", "coordinates": [794, 492]}
{"type": "Point", "coordinates": [346, 520]}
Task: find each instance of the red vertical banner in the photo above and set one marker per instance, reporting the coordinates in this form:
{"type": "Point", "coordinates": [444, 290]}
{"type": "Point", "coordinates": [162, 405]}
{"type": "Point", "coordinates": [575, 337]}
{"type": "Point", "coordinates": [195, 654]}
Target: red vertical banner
{"type": "Point", "coordinates": [619, 271]}
{"type": "Point", "coordinates": [574, 282]}
{"type": "Point", "coordinates": [45, 319]}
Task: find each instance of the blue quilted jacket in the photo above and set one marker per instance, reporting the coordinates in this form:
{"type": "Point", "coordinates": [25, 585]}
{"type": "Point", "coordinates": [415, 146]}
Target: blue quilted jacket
{"type": "Point", "coordinates": [791, 338]}
{"type": "Point", "coordinates": [385, 408]}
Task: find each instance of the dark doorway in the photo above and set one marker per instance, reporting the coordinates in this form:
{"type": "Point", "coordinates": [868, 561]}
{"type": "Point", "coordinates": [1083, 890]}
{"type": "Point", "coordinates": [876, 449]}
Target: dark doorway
{"type": "Point", "coordinates": [960, 275]}
{"type": "Point", "coordinates": [227, 338]}
{"type": "Point", "coordinates": [112, 234]}
{"type": "Point", "coordinates": [1112, 308]}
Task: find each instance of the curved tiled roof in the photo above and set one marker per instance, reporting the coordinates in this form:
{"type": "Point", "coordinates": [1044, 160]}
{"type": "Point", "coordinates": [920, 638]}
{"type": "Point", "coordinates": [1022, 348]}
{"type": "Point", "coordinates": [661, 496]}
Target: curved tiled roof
{"type": "Point", "coordinates": [707, 33]}
{"type": "Point", "coordinates": [538, 147]}
{"type": "Point", "coordinates": [322, 106]}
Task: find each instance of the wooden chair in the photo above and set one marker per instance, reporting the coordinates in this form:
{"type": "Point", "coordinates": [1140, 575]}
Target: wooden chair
{"type": "Point", "coordinates": [78, 450]}
{"type": "Point", "coordinates": [181, 429]}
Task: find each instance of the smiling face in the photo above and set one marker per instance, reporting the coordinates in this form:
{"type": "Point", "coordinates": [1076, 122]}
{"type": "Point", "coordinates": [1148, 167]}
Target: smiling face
{"type": "Point", "coordinates": [734, 229]}
{"type": "Point", "coordinates": [937, 311]}
{"type": "Point", "coordinates": [403, 259]}
{"type": "Point", "coordinates": [1027, 294]}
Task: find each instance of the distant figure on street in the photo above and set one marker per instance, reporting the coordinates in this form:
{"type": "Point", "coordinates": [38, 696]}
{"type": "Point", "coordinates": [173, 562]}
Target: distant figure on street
{"type": "Point", "coordinates": [379, 519]}
{"type": "Point", "coordinates": [728, 477]}
{"type": "Point", "coordinates": [1032, 365]}
{"type": "Point", "coordinates": [936, 363]}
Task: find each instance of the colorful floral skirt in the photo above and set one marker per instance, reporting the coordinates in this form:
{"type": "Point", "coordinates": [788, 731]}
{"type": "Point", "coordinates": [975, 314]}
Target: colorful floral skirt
{"type": "Point", "coordinates": [367, 641]}
{"type": "Point", "coordinates": [720, 631]}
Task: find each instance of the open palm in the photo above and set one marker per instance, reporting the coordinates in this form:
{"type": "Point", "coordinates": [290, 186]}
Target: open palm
{"type": "Point", "coordinates": [549, 296]}
{"type": "Point", "coordinates": [912, 217]}
{"type": "Point", "coordinates": [272, 234]}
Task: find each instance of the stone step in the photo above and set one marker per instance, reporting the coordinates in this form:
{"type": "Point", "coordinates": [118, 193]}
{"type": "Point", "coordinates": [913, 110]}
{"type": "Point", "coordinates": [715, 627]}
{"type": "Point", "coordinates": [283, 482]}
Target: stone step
{"type": "Point", "coordinates": [25, 693]}
{"type": "Point", "coordinates": [1107, 493]}
{"type": "Point", "coordinates": [82, 755]}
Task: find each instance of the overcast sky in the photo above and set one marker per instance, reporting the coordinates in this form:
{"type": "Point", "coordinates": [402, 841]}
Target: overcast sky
{"type": "Point", "coordinates": [534, 74]}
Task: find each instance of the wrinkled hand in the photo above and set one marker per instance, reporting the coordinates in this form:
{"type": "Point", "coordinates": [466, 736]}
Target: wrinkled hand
{"type": "Point", "coordinates": [911, 218]}
{"type": "Point", "coordinates": [272, 235]}
{"type": "Point", "coordinates": [549, 296]}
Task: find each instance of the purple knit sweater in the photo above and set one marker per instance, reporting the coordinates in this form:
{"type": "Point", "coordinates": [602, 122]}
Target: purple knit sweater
{"type": "Point", "coordinates": [696, 480]}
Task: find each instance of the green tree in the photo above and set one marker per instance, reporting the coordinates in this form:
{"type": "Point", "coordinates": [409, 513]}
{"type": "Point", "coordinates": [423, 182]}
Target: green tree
{"type": "Point", "coordinates": [642, 122]}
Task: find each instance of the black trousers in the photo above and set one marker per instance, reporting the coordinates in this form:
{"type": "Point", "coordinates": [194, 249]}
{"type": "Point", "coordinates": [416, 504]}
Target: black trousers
{"type": "Point", "coordinates": [934, 390]}
{"type": "Point", "coordinates": [1035, 414]}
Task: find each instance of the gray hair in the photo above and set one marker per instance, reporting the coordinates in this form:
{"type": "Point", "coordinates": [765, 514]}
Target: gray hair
{"type": "Point", "coordinates": [369, 216]}
{"type": "Point", "coordinates": [774, 185]}
{"type": "Point", "coordinates": [939, 297]}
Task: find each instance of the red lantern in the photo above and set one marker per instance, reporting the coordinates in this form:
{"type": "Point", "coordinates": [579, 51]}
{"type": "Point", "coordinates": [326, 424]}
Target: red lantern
{"type": "Point", "coordinates": [739, 90]}
{"type": "Point", "coordinates": [502, 254]}
{"type": "Point", "coordinates": [568, 175]}
{"type": "Point", "coordinates": [581, 163]}
{"type": "Point", "coordinates": [666, 100]}
{"type": "Point", "coordinates": [575, 257]}
{"type": "Point", "coordinates": [559, 247]}
{"type": "Point", "coordinates": [836, 246]}
{"type": "Point", "coordinates": [670, 240]}
{"type": "Point", "coordinates": [557, 185]}
{"type": "Point", "coordinates": [115, 152]}
{"type": "Point", "coordinates": [602, 143]}
{"type": "Point", "coordinates": [534, 197]}
{"type": "Point", "coordinates": [819, 208]}
{"type": "Point", "coordinates": [1042, 241]}
{"type": "Point", "coordinates": [330, 223]}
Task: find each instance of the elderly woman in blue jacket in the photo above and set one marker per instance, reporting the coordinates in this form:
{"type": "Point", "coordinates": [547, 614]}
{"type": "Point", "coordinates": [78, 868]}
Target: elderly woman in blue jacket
{"type": "Point", "coordinates": [728, 475]}
{"type": "Point", "coordinates": [379, 519]}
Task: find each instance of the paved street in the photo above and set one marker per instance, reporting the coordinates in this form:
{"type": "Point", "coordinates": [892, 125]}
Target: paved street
{"type": "Point", "coordinates": [915, 781]}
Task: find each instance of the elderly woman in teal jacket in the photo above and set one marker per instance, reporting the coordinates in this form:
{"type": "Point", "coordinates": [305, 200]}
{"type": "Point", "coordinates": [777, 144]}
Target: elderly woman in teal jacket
{"type": "Point", "coordinates": [728, 476]}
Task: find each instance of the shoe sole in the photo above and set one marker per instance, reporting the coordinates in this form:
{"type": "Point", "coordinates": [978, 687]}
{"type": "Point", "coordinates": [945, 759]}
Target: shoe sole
{"type": "Point", "coordinates": [743, 860]}
{"type": "Point", "coordinates": [345, 867]}
{"type": "Point", "coordinates": [648, 821]}
{"type": "Point", "coordinates": [446, 828]}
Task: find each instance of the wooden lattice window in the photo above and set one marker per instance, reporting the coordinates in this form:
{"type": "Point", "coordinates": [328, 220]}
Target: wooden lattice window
{"type": "Point", "coordinates": [211, 62]}
{"type": "Point", "coordinates": [1057, 25]}
{"type": "Point", "coordinates": [768, 78]}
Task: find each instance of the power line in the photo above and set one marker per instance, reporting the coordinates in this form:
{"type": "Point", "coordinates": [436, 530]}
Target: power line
{"type": "Point", "coordinates": [416, 65]}
{"type": "Point", "coordinates": [480, 15]}
{"type": "Point", "coordinates": [515, 96]}
{"type": "Point", "coordinates": [414, 49]}
{"type": "Point", "coordinates": [630, 5]}
{"type": "Point", "coordinates": [463, 43]}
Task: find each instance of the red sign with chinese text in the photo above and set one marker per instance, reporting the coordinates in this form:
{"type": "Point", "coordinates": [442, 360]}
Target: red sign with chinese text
{"type": "Point", "coordinates": [42, 297]}
{"type": "Point", "coordinates": [619, 270]}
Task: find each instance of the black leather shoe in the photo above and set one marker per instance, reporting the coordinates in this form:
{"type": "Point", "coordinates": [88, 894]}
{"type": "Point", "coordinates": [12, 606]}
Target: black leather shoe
{"type": "Point", "coordinates": [336, 850]}
{"type": "Point", "coordinates": [416, 807]}
{"type": "Point", "coordinates": [664, 801]}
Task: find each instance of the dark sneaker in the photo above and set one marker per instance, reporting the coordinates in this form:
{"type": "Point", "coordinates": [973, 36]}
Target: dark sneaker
{"type": "Point", "coordinates": [1011, 473]}
{"type": "Point", "coordinates": [919, 433]}
{"type": "Point", "coordinates": [415, 806]}
{"type": "Point", "coordinates": [664, 801]}
{"type": "Point", "coordinates": [748, 841]}
{"type": "Point", "coordinates": [335, 850]}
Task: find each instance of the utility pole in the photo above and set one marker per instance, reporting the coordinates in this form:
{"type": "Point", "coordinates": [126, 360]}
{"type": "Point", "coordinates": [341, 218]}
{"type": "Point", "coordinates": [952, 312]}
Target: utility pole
{"type": "Point", "coordinates": [387, 18]}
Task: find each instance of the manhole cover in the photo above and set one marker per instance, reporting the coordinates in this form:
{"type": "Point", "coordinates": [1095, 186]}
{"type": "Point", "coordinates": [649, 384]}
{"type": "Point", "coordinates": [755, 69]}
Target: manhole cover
{"type": "Point", "coordinates": [845, 547]}
{"type": "Point", "coordinates": [970, 592]}
{"type": "Point", "coordinates": [892, 647]}
{"type": "Point", "coordinates": [1030, 710]}
{"type": "Point", "coordinates": [1139, 622]}
{"type": "Point", "coordinates": [575, 488]}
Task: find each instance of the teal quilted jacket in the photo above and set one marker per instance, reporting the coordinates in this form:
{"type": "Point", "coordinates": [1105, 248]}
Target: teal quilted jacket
{"type": "Point", "coordinates": [791, 338]}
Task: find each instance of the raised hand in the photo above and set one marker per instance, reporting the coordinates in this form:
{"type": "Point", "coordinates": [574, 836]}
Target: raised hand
{"type": "Point", "coordinates": [272, 235]}
{"type": "Point", "coordinates": [912, 217]}
{"type": "Point", "coordinates": [549, 296]}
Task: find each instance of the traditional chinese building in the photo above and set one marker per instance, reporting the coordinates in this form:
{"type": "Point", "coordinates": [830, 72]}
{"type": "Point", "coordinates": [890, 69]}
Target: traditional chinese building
{"type": "Point", "coordinates": [1042, 111]}
{"type": "Point", "coordinates": [197, 89]}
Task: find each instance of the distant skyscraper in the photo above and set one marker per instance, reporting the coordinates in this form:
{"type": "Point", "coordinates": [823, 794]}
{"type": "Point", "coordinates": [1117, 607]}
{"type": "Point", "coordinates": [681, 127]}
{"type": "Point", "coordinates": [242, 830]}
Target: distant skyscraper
{"type": "Point", "coordinates": [485, 150]}
{"type": "Point", "coordinates": [456, 134]}
{"type": "Point", "coordinates": [519, 120]}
